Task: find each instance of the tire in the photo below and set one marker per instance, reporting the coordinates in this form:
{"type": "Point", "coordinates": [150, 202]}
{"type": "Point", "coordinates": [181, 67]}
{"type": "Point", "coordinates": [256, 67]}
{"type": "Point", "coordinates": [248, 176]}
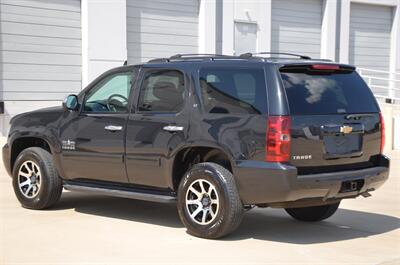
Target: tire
{"type": "Point", "coordinates": [314, 213]}
{"type": "Point", "coordinates": [223, 208]}
{"type": "Point", "coordinates": [34, 166]}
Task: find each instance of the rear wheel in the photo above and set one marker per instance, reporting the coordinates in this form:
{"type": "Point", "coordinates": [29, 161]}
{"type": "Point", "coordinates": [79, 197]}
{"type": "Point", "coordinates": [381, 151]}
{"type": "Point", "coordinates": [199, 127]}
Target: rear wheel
{"type": "Point", "coordinates": [314, 213]}
{"type": "Point", "coordinates": [35, 179]}
{"type": "Point", "coordinates": [208, 201]}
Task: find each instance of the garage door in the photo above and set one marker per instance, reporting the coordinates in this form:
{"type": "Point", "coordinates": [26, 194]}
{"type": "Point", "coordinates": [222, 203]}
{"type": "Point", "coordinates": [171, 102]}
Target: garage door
{"type": "Point", "coordinates": [370, 28]}
{"type": "Point", "coordinates": [296, 26]}
{"type": "Point", "coordinates": [40, 52]}
{"type": "Point", "coordinates": [370, 42]}
{"type": "Point", "coordinates": [161, 28]}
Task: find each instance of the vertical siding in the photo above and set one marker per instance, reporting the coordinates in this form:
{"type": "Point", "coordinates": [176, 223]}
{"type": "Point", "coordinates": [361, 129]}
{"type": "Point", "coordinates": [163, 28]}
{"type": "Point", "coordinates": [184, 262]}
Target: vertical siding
{"type": "Point", "coordinates": [161, 28]}
{"type": "Point", "coordinates": [296, 26]}
{"type": "Point", "coordinates": [40, 49]}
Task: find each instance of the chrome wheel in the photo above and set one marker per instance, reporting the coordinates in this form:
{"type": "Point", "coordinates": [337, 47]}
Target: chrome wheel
{"type": "Point", "coordinates": [202, 201]}
{"type": "Point", "coordinates": [29, 179]}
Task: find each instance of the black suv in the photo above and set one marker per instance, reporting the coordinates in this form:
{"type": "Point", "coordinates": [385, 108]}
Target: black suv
{"type": "Point", "coordinates": [217, 134]}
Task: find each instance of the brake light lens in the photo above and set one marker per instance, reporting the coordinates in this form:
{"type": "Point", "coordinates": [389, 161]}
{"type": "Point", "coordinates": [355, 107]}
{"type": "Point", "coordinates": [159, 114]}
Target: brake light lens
{"type": "Point", "coordinates": [382, 132]}
{"type": "Point", "coordinates": [278, 139]}
{"type": "Point", "coordinates": [328, 67]}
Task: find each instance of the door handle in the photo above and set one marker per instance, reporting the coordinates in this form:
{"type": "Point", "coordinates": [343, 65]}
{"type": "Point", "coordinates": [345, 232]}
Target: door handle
{"type": "Point", "coordinates": [113, 128]}
{"type": "Point", "coordinates": [173, 128]}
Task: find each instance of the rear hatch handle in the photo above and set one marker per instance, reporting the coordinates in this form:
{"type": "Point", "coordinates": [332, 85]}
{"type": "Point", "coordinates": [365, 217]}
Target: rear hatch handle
{"type": "Point", "coordinates": [348, 128]}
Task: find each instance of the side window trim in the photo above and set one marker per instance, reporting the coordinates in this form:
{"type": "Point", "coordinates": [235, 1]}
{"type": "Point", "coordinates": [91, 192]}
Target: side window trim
{"type": "Point", "coordinates": [139, 85]}
{"type": "Point", "coordinates": [133, 81]}
{"type": "Point", "coordinates": [136, 80]}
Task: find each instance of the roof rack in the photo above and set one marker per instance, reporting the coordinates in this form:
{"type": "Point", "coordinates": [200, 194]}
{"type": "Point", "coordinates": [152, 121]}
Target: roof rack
{"type": "Point", "coordinates": [191, 56]}
{"type": "Point", "coordinates": [212, 57]}
{"type": "Point", "coordinates": [158, 60]}
{"type": "Point", "coordinates": [249, 55]}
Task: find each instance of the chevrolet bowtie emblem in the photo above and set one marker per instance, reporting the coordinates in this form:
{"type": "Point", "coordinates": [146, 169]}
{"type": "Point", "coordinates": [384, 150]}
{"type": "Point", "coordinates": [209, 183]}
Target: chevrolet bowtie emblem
{"type": "Point", "coordinates": [346, 129]}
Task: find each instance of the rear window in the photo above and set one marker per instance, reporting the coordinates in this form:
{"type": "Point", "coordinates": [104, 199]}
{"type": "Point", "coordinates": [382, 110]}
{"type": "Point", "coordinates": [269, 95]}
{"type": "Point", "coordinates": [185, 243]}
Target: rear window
{"type": "Point", "coordinates": [236, 90]}
{"type": "Point", "coordinates": [327, 93]}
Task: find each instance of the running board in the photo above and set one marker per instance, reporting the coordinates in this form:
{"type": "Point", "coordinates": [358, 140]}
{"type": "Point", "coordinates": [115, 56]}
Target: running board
{"type": "Point", "coordinates": [137, 194]}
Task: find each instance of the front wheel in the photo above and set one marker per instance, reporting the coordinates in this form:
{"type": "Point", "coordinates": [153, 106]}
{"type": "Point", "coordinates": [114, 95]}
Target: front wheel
{"type": "Point", "coordinates": [314, 213]}
{"type": "Point", "coordinates": [208, 201]}
{"type": "Point", "coordinates": [35, 179]}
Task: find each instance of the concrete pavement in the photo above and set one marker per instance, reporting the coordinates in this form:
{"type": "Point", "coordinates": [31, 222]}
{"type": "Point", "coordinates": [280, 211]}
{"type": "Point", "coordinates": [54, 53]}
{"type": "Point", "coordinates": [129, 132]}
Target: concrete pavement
{"type": "Point", "coordinates": [92, 229]}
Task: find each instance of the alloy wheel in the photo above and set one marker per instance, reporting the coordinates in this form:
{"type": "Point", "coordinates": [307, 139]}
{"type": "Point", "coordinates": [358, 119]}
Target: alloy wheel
{"type": "Point", "coordinates": [202, 202]}
{"type": "Point", "coordinates": [29, 179]}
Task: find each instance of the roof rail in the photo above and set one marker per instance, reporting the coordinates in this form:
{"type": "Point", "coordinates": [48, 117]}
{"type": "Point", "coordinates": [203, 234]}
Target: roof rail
{"type": "Point", "coordinates": [191, 56]}
{"type": "Point", "coordinates": [249, 55]}
{"type": "Point", "coordinates": [158, 60]}
{"type": "Point", "coordinates": [212, 57]}
{"type": "Point", "coordinates": [205, 55]}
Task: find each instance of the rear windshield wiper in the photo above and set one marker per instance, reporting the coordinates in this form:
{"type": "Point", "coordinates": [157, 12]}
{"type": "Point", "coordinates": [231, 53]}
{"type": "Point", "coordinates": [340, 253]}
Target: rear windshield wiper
{"type": "Point", "coordinates": [358, 116]}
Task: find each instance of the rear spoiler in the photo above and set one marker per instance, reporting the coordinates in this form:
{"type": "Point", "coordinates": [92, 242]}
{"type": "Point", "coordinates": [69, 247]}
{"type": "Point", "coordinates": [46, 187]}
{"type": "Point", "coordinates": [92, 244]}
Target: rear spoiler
{"type": "Point", "coordinates": [317, 67]}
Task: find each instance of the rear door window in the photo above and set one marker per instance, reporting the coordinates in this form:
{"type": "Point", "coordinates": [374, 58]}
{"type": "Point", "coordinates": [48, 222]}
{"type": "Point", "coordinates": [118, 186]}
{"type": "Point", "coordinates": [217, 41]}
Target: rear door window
{"type": "Point", "coordinates": [327, 93]}
{"type": "Point", "coordinates": [162, 91]}
{"type": "Point", "coordinates": [233, 90]}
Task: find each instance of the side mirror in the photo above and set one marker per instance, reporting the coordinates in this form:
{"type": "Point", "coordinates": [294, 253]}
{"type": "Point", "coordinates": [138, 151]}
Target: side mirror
{"type": "Point", "coordinates": [71, 102]}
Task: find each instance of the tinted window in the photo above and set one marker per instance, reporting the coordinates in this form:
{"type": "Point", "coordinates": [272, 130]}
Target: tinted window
{"type": "Point", "coordinates": [233, 90]}
{"type": "Point", "coordinates": [110, 95]}
{"type": "Point", "coordinates": [310, 94]}
{"type": "Point", "coordinates": [162, 91]}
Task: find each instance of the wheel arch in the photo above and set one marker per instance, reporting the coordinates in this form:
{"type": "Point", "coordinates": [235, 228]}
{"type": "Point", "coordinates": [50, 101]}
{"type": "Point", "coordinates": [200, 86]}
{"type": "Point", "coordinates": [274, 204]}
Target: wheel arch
{"type": "Point", "coordinates": [21, 143]}
{"type": "Point", "coordinates": [190, 155]}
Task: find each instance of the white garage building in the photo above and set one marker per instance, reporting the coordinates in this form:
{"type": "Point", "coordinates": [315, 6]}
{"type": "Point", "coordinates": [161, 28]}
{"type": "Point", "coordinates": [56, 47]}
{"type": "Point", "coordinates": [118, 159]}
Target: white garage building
{"type": "Point", "coordinates": [51, 48]}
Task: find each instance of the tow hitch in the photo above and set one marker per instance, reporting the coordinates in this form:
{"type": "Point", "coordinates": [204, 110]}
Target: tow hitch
{"type": "Point", "coordinates": [352, 185]}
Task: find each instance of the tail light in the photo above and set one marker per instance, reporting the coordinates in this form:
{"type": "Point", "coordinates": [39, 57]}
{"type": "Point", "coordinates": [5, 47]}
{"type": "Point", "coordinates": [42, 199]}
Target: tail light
{"type": "Point", "coordinates": [278, 139]}
{"type": "Point", "coordinates": [382, 132]}
{"type": "Point", "coordinates": [327, 67]}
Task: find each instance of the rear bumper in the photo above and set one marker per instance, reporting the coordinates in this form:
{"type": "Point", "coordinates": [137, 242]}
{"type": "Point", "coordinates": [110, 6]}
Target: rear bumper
{"type": "Point", "coordinates": [6, 158]}
{"type": "Point", "coordinates": [277, 184]}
